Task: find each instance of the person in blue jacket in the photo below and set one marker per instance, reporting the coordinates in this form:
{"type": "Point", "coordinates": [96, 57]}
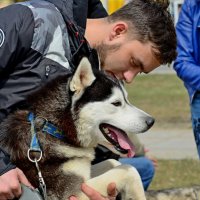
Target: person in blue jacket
{"type": "Point", "coordinates": [187, 63]}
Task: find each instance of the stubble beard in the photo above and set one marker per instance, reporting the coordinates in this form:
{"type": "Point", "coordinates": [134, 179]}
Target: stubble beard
{"type": "Point", "coordinates": [103, 50]}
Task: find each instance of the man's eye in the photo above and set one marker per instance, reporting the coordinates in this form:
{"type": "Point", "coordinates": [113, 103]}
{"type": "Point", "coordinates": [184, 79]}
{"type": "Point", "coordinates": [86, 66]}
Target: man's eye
{"type": "Point", "coordinates": [134, 64]}
{"type": "Point", "coordinates": [117, 103]}
{"type": "Point", "coordinates": [137, 65]}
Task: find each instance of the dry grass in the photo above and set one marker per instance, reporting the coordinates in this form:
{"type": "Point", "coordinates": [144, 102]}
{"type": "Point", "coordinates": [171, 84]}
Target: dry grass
{"type": "Point", "coordinates": [164, 97]}
{"type": "Point", "coordinates": [176, 173]}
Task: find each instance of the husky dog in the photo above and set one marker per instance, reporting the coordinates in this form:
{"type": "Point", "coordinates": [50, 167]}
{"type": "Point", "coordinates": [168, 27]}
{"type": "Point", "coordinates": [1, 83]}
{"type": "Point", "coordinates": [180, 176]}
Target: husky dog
{"type": "Point", "coordinates": [66, 120]}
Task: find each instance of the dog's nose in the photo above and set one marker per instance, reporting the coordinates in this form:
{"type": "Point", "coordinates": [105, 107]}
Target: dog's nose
{"type": "Point", "coordinates": [150, 121]}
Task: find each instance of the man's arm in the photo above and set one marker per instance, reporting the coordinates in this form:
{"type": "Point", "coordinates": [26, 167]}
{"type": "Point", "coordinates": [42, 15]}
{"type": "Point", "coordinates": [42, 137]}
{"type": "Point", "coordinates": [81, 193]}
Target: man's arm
{"type": "Point", "coordinates": [15, 40]}
{"type": "Point", "coordinates": [10, 184]}
{"type": "Point", "coordinates": [5, 164]}
{"type": "Point", "coordinates": [10, 178]}
{"type": "Point", "coordinates": [16, 32]}
{"type": "Point", "coordinates": [185, 65]}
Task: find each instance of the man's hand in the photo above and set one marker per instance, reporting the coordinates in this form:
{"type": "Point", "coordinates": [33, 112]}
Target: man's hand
{"type": "Point", "coordinates": [94, 195]}
{"type": "Point", "coordinates": [152, 158]}
{"type": "Point", "coordinates": [10, 184]}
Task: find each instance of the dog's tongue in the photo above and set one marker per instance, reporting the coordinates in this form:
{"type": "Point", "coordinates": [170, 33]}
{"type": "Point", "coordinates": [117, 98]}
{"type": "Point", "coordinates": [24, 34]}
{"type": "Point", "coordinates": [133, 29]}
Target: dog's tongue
{"type": "Point", "coordinates": [125, 143]}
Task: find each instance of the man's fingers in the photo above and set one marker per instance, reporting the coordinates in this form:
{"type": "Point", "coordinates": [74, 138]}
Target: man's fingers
{"type": "Point", "coordinates": [5, 192]}
{"type": "Point", "coordinates": [90, 192]}
{"type": "Point", "coordinates": [87, 190]}
{"type": "Point", "coordinates": [73, 198]}
{"type": "Point", "coordinates": [94, 195]}
{"type": "Point", "coordinates": [22, 178]}
{"type": "Point", "coordinates": [10, 184]}
{"type": "Point", "coordinates": [112, 191]}
{"type": "Point", "coordinates": [10, 196]}
{"type": "Point", "coordinates": [16, 188]}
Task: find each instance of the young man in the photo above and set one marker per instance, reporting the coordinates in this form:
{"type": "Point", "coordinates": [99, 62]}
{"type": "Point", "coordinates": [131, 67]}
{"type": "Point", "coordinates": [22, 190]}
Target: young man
{"type": "Point", "coordinates": [43, 41]}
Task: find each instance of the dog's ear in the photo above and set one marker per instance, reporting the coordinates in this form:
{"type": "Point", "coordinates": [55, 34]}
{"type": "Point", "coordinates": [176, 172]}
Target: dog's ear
{"type": "Point", "coordinates": [83, 76]}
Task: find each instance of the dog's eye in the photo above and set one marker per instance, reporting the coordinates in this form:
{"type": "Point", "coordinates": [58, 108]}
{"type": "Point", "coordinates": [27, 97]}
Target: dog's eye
{"type": "Point", "coordinates": [117, 103]}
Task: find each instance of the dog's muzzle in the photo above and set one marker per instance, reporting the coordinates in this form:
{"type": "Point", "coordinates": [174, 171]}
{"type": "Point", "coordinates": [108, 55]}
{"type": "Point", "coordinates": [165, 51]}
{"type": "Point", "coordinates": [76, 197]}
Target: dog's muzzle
{"type": "Point", "coordinates": [118, 138]}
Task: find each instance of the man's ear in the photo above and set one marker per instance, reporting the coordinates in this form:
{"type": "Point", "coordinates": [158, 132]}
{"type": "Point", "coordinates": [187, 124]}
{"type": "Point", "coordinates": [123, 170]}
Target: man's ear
{"type": "Point", "coordinates": [119, 28]}
{"type": "Point", "coordinates": [83, 76]}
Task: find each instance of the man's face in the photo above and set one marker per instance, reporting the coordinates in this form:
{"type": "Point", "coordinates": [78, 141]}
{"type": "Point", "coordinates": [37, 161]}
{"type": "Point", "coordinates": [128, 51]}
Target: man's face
{"type": "Point", "coordinates": [126, 59]}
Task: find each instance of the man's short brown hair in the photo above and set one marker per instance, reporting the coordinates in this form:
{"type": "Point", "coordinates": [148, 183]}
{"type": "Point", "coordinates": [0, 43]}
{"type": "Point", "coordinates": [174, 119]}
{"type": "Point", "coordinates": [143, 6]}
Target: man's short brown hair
{"type": "Point", "coordinates": [150, 21]}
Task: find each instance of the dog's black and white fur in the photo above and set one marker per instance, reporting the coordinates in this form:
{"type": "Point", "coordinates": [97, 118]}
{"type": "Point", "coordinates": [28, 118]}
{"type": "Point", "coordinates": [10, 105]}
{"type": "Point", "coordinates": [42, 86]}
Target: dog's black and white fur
{"type": "Point", "coordinates": [90, 108]}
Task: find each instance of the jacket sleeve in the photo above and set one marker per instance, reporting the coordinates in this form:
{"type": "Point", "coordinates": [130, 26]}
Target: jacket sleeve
{"type": "Point", "coordinates": [15, 41]}
{"type": "Point", "coordinates": [5, 164]}
{"type": "Point", "coordinates": [96, 9]}
{"type": "Point", "coordinates": [185, 64]}
{"type": "Point", "coordinates": [16, 32]}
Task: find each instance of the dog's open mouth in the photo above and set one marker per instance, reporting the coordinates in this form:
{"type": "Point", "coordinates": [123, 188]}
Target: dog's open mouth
{"type": "Point", "coordinates": [118, 138]}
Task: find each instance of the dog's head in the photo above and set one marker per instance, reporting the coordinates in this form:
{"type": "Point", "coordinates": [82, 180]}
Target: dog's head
{"type": "Point", "coordinates": [102, 112]}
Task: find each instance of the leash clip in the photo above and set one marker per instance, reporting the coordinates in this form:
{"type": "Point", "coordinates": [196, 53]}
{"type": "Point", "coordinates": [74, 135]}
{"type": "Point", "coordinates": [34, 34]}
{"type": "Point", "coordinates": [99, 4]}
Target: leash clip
{"type": "Point", "coordinates": [42, 185]}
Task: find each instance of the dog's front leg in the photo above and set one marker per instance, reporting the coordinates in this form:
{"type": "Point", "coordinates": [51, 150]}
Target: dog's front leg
{"type": "Point", "coordinates": [127, 181]}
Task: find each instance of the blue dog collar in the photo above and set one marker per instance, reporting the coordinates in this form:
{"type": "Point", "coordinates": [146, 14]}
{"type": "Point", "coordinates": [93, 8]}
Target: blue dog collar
{"type": "Point", "coordinates": [53, 130]}
{"type": "Point", "coordinates": [48, 127]}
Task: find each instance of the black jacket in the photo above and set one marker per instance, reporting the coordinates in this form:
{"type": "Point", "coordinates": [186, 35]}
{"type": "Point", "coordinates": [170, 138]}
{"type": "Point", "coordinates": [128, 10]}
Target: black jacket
{"type": "Point", "coordinates": [37, 44]}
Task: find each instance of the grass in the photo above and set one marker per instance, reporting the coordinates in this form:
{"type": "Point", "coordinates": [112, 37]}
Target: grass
{"type": "Point", "coordinates": [164, 97]}
{"type": "Point", "coordinates": [176, 173]}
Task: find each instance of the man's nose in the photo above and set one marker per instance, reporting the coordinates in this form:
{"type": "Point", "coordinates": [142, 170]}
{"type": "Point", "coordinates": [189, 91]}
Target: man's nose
{"type": "Point", "coordinates": [130, 75]}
